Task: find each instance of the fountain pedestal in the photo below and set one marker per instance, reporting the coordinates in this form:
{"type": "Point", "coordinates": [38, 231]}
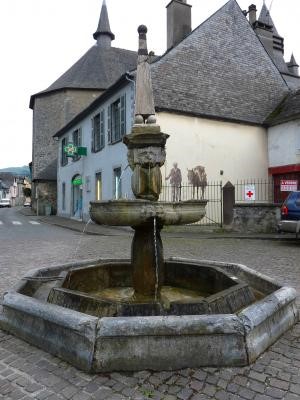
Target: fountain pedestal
{"type": "Point", "coordinates": [147, 261]}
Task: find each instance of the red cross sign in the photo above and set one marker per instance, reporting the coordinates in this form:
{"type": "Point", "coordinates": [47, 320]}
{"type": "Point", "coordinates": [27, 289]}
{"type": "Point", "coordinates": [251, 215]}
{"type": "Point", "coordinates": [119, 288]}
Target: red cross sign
{"type": "Point", "coordinates": [249, 192]}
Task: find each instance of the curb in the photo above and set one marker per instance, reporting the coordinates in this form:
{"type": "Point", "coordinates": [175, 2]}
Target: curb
{"type": "Point", "coordinates": [189, 234]}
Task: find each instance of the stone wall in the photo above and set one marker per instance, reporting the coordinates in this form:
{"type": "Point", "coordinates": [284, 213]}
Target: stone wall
{"type": "Point", "coordinates": [44, 195]}
{"type": "Point", "coordinates": [51, 113]}
{"type": "Point", "coordinates": [255, 218]}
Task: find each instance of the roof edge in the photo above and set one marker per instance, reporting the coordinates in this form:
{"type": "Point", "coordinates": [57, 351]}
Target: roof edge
{"type": "Point", "coordinates": [46, 92]}
{"type": "Point", "coordinates": [122, 81]}
{"type": "Point", "coordinates": [207, 116]}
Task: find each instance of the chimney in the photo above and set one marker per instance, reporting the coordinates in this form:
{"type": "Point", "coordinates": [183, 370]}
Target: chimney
{"type": "Point", "coordinates": [252, 14]}
{"type": "Point", "coordinates": [179, 21]}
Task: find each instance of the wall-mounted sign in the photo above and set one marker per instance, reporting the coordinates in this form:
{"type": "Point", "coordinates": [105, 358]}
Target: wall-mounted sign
{"type": "Point", "coordinates": [250, 192]}
{"type": "Point", "coordinates": [70, 150]}
{"type": "Point", "coordinates": [82, 151]}
{"type": "Point", "coordinates": [288, 185]}
{"type": "Point", "coordinates": [77, 182]}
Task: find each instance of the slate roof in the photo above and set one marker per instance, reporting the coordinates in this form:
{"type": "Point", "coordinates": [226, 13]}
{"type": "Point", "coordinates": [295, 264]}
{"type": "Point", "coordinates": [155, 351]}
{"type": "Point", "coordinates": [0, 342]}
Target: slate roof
{"type": "Point", "coordinates": [99, 68]}
{"type": "Point", "coordinates": [221, 70]}
{"type": "Point", "coordinates": [288, 109]}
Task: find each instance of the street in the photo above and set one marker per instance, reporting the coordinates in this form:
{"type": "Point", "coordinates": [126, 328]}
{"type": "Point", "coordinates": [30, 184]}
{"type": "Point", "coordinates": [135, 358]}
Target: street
{"type": "Point", "coordinates": [29, 373]}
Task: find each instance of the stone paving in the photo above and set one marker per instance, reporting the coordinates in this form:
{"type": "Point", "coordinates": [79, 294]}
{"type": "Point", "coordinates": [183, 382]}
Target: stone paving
{"type": "Point", "coordinates": [29, 373]}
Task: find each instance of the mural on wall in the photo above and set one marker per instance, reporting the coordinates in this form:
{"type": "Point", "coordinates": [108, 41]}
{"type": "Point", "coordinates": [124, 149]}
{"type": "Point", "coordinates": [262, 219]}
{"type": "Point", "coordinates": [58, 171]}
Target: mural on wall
{"type": "Point", "coordinates": [175, 181]}
{"type": "Point", "coordinates": [198, 179]}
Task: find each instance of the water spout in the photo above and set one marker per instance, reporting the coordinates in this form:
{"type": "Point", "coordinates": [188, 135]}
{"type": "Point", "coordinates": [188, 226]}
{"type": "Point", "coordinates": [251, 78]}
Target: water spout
{"type": "Point", "coordinates": [80, 239]}
{"type": "Point", "coordinates": [156, 258]}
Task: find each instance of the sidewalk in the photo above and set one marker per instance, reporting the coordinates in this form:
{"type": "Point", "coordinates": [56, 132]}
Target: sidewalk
{"type": "Point", "coordinates": [205, 232]}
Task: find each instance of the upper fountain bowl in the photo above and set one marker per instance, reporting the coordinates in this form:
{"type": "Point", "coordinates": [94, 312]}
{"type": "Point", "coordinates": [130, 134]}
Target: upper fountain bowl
{"type": "Point", "coordinates": [138, 212]}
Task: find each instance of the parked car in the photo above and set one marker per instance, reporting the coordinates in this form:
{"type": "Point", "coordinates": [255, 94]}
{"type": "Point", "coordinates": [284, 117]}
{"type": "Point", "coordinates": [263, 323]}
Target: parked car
{"type": "Point", "coordinates": [290, 214]}
{"type": "Point", "coordinates": [27, 204]}
{"type": "Point", "coordinates": [5, 203]}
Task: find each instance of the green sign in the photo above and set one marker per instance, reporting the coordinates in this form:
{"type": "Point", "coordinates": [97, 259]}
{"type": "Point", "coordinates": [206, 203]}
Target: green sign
{"type": "Point", "coordinates": [71, 150]}
{"type": "Point", "coordinates": [77, 182]}
{"type": "Point", "coordinates": [82, 151]}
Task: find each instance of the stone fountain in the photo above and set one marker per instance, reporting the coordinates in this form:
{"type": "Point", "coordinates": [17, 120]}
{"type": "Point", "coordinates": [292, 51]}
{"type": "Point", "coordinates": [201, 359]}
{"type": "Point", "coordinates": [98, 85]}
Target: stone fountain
{"type": "Point", "coordinates": [149, 312]}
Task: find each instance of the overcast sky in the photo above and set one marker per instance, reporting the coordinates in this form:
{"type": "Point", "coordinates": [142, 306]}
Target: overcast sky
{"type": "Point", "coordinates": [41, 39]}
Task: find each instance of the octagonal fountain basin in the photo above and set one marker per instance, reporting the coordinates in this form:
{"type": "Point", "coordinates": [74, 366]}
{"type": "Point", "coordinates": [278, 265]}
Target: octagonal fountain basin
{"type": "Point", "coordinates": [207, 314]}
{"type": "Point", "coordinates": [137, 212]}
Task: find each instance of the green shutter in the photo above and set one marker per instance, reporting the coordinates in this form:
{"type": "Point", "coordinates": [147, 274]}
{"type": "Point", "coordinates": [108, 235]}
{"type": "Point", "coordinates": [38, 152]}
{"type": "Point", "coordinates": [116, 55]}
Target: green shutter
{"type": "Point", "coordinates": [80, 137]}
{"type": "Point", "coordinates": [123, 115]}
{"type": "Point", "coordinates": [102, 130]}
{"type": "Point", "coordinates": [93, 139]}
{"type": "Point", "coordinates": [109, 124]}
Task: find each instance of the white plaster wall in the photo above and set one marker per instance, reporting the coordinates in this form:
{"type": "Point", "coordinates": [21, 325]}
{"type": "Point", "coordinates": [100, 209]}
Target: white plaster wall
{"type": "Point", "coordinates": [240, 151]}
{"type": "Point", "coordinates": [284, 144]}
{"type": "Point", "coordinates": [105, 161]}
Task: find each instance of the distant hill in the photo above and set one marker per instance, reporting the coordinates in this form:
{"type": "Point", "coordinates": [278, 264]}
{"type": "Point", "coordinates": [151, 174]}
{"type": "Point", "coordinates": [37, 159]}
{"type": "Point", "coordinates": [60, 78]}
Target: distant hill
{"type": "Point", "coordinates": [19, 171]}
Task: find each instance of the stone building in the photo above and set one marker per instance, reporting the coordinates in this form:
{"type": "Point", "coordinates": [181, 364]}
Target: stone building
{"type": "Point", "coordinates": [214, 90]}
{"type": "Point", "coordinates": [54, 107]}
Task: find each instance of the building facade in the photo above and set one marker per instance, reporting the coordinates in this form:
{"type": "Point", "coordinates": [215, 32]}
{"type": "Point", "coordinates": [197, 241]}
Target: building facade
{"type": "Point", "coordinates": [214, 90]}
{"type": "Point", "coordinates": [54, 107]}
{"type": "Point", "coordinates": [103, 173]}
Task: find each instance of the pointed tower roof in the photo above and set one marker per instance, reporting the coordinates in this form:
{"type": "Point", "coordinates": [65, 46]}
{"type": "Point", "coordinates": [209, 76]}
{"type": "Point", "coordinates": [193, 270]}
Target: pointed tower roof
{"type": "Point", "coordinates": [293, 62]}
{"type": "Point", "coordinates": [103, 26]}
{"type": "Point", "coordinates": [265, 18]}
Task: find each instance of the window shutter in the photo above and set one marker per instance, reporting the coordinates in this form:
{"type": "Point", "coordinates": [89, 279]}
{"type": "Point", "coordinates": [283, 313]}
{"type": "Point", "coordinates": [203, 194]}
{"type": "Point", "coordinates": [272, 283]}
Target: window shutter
{"type": "Point", "coordinates": [123, 115]}
{"type": "Point", "coordinates": [93, 137]}
{"type": "Point", "coordinates": [80, 137]}
{"type": "Point", "coordinates": [102, 133]}
{"type": "Point", "coordinates": [109, 124]}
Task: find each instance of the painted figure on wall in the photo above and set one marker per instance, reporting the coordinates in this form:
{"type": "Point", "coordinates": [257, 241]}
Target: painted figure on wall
{"type": "Point", "coordinates": [175, 181]}
{"type": "Point", "coordinates": [198, 179]}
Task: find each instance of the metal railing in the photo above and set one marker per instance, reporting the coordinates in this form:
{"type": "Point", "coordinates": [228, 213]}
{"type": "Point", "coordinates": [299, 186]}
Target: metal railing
{"type": "Point", "coordinates": [211, 192]}
{"type": "Point", "coordinates": [258, 191]}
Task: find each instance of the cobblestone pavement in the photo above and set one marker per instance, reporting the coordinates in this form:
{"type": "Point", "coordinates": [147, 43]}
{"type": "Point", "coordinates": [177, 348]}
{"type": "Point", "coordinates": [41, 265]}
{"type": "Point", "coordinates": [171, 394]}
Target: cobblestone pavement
{"type": "Point", "coordinates": [29, 373]}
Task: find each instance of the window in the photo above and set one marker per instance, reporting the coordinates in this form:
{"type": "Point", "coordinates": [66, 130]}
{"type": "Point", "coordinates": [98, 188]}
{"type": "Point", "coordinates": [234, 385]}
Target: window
{"type": "Point", "coordinates": [63, 190]}
{"type": "Point", "coordinates": [98, 186]}
{"type": "Point", "coordinates": [98, 135]}
{"type": "Point", "coordinates": [64, 159]}
{"type": "Point", "coordinates": [116, 120]}
{"type": "Point", "coordinates": [77, 141]}
{"type": "Point", "coordinates": [117, 184]}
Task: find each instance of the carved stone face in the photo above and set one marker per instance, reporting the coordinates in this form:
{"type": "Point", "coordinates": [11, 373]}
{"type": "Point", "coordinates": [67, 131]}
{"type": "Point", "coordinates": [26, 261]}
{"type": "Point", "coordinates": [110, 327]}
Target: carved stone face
{"type": "Point", "coordinates": [149, 156]}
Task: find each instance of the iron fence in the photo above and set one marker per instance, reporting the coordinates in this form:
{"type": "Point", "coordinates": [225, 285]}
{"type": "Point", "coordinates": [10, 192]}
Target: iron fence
{"type": "Point", "coordinates": [258, 191]}
{"type": "Point", "coordinates": [211, 192]}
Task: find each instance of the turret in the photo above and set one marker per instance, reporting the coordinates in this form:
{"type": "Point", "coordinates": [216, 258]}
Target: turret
{"type": "Point", "coordinates": [103, 34]}
{"type": "Point", "coordinates": [293, 66]}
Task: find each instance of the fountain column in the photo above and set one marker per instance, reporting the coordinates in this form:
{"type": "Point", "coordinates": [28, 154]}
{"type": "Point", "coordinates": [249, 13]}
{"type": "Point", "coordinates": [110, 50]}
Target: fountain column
{"type": "Point", "coordinates": [146, 155]}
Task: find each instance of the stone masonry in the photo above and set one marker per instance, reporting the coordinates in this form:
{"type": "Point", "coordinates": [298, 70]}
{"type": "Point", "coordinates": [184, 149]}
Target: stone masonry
{"type": "Point", "coordinates": [27, 373]}
{"type": "Point", "coordinates": [51, 112]}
